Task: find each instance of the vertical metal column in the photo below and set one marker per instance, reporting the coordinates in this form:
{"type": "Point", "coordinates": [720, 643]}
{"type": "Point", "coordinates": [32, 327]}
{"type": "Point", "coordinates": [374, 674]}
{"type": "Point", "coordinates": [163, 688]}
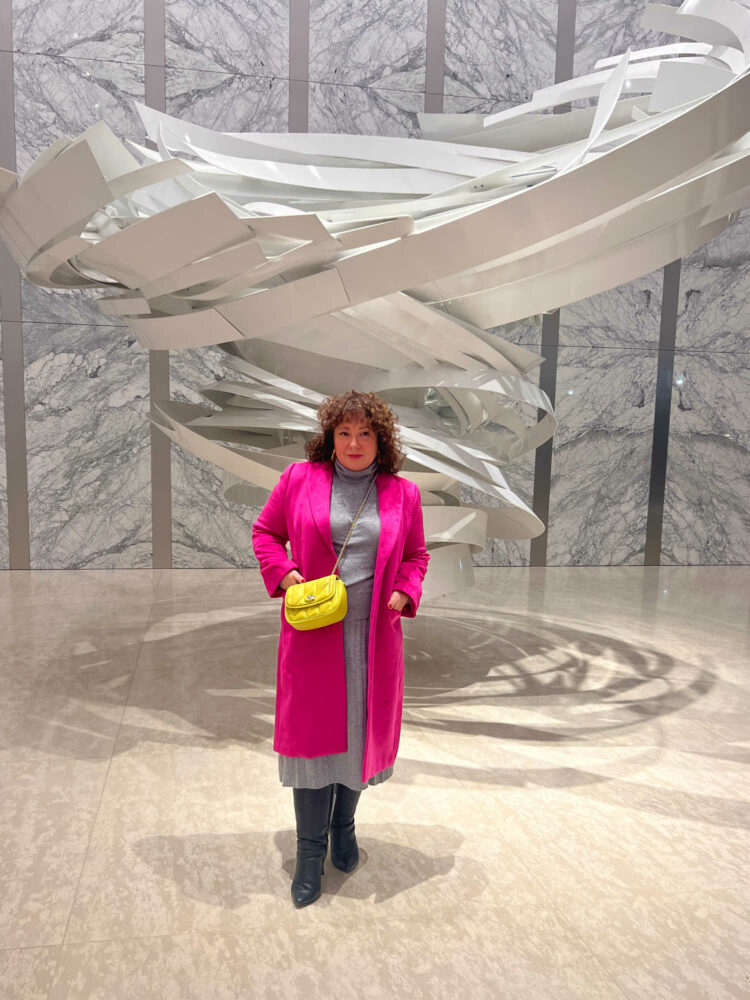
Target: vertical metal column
{"type": "Point", "coordinates": [564, 59]}
{"type": "Point", "coordinates": [435, 68]}
{"type": "Point", "coordinates": [14, 404]}
{"type": "Point", "coordinates": [543, 454]}
{"type": "Point", "coordinates": [299, 64]}
{"type": "Point", "coordinates": [662, 410]}
{"type": "Point", "coordinates": [158, 361]}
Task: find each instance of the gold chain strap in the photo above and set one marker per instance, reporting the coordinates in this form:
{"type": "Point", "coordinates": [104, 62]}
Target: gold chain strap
{"type": "Point", "coordinates": [372, 483]}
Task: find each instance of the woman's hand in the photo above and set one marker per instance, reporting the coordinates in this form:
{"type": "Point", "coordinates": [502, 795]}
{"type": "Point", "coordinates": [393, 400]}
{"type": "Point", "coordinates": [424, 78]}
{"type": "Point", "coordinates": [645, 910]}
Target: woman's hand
{"type": "Point", "coordinates": [398, 600]}
{"type": "Point", "coordinates": [293, 576]}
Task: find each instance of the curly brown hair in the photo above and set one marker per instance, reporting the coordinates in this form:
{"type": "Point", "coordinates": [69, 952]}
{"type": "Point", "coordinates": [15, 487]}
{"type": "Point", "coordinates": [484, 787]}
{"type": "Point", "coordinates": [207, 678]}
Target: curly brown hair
{"type": "Point", "coordinates": [365, 406]}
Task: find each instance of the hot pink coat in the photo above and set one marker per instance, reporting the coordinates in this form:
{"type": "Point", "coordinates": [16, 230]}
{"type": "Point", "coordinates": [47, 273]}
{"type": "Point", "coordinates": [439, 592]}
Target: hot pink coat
{"type": "Point", "coordinates": [311, 673]}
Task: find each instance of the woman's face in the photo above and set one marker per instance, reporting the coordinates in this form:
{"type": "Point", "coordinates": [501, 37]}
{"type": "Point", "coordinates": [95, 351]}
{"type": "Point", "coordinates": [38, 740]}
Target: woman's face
{"type": "Point", "coordinates": [355, 442]}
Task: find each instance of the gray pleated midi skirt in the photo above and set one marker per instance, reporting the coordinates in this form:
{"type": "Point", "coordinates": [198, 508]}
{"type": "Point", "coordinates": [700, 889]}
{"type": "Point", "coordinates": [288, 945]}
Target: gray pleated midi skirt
{"type": "Point", "coordinates": [342, 768]}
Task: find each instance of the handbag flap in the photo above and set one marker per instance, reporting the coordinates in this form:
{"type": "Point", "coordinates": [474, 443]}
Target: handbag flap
{"type": "Point", "coordinates": [311, 592]}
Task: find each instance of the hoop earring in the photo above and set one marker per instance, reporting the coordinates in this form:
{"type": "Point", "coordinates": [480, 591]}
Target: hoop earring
{"type": "Point", "coordinates": [333, 455]}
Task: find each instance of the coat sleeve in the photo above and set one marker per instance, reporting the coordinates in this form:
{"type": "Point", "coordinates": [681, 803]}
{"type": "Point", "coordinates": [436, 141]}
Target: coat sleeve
{"type": "Point", "coordinates": [413, 566]}
{"type": "Point", "coordinates": [270, 535]}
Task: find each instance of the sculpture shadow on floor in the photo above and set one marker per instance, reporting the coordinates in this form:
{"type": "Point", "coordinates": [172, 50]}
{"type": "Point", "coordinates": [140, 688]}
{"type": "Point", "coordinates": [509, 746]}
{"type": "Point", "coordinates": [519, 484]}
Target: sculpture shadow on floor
{"type": "Point", "coordinates": [463, 657]}
{"type": "Point", "coordinates": [209, 682]}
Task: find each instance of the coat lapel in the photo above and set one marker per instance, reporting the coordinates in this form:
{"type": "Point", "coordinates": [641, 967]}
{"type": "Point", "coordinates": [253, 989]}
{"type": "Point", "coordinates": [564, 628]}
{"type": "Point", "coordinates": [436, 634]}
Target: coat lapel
{"type": "Point", "coordinates": [319, 494]}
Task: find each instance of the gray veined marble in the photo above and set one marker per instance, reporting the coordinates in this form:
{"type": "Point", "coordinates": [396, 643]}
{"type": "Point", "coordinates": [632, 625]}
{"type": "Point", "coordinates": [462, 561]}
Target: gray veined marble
{"type": "Point", "coordinates": [707, 496]}
{"type": "Point", "coordinates": [608, 28]}
{"type": "Point", "coordinates": [601, 456]}
{"type": "Point", "coordinates": [454, 105]}
{"type": "Point", "coordinates": [56, 305]}
{"type": "Point", "coordinates": [363, 110]}
{"type": "Point", "coordinates": [372, 43]}
{"type": "Point", "coordinates": [57, 95]}
{"type": "Point", "coordinates": [244, 36]}
{"type": "Point", "coordinates": [502, 50]}
{"type": "Point", "coordinates": [207, 530]}
{"type": "Point", "coordinates": [108, 29]}
{"type": "Point", "coordinates": [230, 102]}
{"type": "Point", "coordinates": [87, 439]}
{"type": "Point", "coordinates": [526, 333]}
{"type": "Point", "coordinates": [714, 309]}
{"type": "Point", "coordinates": [626, 316]}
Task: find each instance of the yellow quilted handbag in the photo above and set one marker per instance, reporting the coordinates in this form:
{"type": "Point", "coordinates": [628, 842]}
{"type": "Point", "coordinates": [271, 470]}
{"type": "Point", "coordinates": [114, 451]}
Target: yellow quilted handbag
{"type": "Point", "coordinates": [315, 603]}
{"type": "Point", "coordinates": [320, 602]}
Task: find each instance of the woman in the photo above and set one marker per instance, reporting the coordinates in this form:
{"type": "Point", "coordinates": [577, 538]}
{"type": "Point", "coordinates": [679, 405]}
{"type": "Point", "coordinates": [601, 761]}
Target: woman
{"type": "Point", "coordinates": [339, 691]}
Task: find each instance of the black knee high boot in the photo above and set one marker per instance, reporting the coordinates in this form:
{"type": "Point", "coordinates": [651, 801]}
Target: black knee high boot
{"type": "Point", "coordinates": [344, 850]}
{"type": "Point", "coordinates": [312, 809]}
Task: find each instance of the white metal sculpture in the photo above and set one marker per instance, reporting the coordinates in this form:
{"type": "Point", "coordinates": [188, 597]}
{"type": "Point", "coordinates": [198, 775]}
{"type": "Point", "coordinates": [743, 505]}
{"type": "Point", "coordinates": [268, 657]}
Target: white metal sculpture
{"type": "Point", "coordinates": [323, 262]}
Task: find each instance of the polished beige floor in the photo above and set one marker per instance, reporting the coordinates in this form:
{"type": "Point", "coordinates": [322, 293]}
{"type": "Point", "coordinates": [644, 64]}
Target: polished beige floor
{"type": "Point", "coordinates": [568, 817]}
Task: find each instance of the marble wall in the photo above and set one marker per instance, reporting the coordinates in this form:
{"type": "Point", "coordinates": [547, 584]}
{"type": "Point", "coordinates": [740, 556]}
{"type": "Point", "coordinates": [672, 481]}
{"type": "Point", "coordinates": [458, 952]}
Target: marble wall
{"type": "Point", "coordinates": [601, 451]}
{"type": "Point", "coordinates": [609, 27]}
{"type": "Point", "coordinates": [227, 66]}
{"type": "Point", "coordinates": [707, 499]}
{"type": "Point", "coordinates": [606, 376]}
{"type": "Point", "coordinates": [497, 54]}
{"type": "Point", "coordinates": [85, 380]}
{"type": "Point", "coordinates": [367, 66]}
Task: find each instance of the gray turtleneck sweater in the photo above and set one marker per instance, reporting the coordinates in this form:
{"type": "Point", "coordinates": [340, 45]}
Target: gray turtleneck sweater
{"type": "Point", "coordinates": [357, 566]}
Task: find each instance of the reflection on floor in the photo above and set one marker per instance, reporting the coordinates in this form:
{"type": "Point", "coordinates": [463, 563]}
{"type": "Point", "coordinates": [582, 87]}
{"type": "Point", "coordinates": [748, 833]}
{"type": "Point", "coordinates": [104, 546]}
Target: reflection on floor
{"type": "Point", "coordinates": [568, 816]}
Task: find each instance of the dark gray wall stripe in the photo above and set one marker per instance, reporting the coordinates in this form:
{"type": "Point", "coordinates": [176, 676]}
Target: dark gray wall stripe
{"type": "Point", "coordinates": [566, 40]}
{"type": "Point", "coordinates": [158, 361]}
{"type": "Point", "coordinates": [543, 454]}
{"type": "Point", "coordinates": [153, 50]}
{"type": "Point", "coordinates": [299, 64]}
{"type": "Point", "coordinates": [161, 467]}
{"type": "Point", "coordinates": [6, 25]}
{"type": "Point", "coordinates": [435, 69]}
{"type": "Point", "coordinates": [564, 57]}
{"type": "Point", "coordinates": [662, 410]}
{"type": "Point", "coordinates": [14, 403]}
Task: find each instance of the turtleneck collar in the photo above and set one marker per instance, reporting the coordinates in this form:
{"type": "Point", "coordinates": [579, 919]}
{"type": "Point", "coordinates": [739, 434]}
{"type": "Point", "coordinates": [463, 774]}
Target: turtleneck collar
{"type": "Point", "coordinates": [354, 475]}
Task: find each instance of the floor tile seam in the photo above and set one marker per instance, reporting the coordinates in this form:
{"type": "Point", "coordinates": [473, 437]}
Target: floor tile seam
{"type": "Point", "coordinates": [125, 938]}
{"type": "Point", "coordinates": [176, 752]}
{"type": "Point", "coordinates": [74, 894]}
{"type": "Point", "coordinates": [29, 947]}
{"type": "Point", "coordinates": [645, 771]}
{"type": "Point", "coordinates": [555, 908]}
{"type": "Point", "coordinates": [247, 930]}
{"type": "Point", "coordinates": [730, 884]}
{"type": "Point", "coordinates": [98, 809]}
{"type": "Point", "coordinates": [146, 628]}
{"type": "Point", "coordinates": [610, 808]}
{"type": "Point", "coordinates": [122, 758]}
{"type": "Point", "coordinates": [10, 762]}
{"type": "Point", "coordinates": [140, 629]}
